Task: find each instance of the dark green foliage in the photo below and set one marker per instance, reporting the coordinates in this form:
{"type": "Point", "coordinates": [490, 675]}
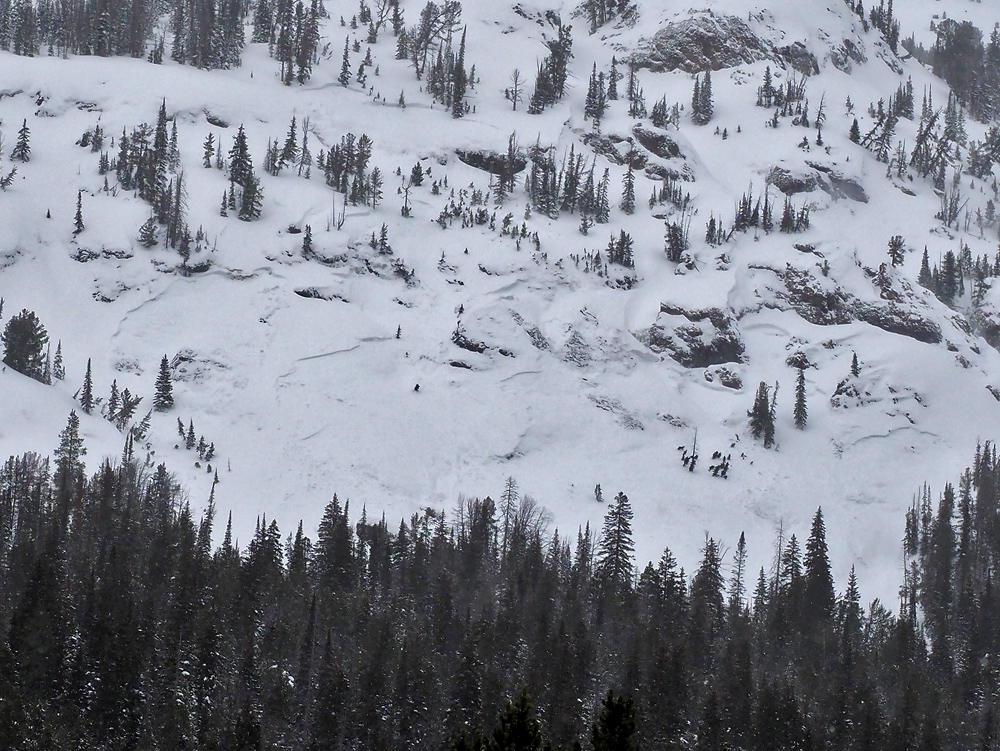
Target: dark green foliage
{"type": "Point", "coordinates": [762, 415]}
{"type": "Point", "coordinates": [801, 415]}
{"type": "Point", "coordinates": [78, 225]}
{"type": "Point", "coordinates": [24, 339]}
{"type": "Point", "coordinates": [628, 190]}
{"type": "Point", "coordinates": [550, 84]}
{"type": "Point", "coordinates": [164, 398]}
{"type": "Point", "coordinates": [87, 391]}
{"type": "Point", "coordinates": [896, 250]}
{"type": "Point", "coordinates": [518, 728]}
{"type": "Point", "coordinates": [22, 147]}
{"type": "Point", "coordinates": [616, 548]}
{"type": "Point", "coordinates": [615, 729]}
{"type": "Point", "coordinates": [702, 105]}
{"type": "Point", "coordinates": [147, 233]}
{"type": "Point", "coordinates": [123, 628]}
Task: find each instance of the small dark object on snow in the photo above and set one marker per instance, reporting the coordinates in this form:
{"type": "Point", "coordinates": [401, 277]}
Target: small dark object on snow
{"type": "Point", "coordinates": [417, 387]}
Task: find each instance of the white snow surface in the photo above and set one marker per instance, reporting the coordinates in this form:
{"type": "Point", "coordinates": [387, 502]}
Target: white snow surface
{"type": "Point", "coordinates": [304, 397]}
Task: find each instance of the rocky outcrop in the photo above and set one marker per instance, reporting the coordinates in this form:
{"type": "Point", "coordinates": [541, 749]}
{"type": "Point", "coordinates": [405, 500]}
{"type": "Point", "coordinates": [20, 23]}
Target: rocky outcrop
{"type": "Point", "coordinates": [824, 303]}
{"type": "Point", "coordinates": [833, 183]}
{"type": "Point", "coordinates": [846, 54]}
{"type": "Point", "coordinates": [703, 41]}
{"type": "Point", "coordinates": [798, 57]}
{"type": "Point", "coordinates": [789, 183]}
{"type": "Point", "coordinates": [491, 161]}
{"type": "Point", "coordinates": [695, 338]}
{"type": "Point", "coordinates": [658, 144]}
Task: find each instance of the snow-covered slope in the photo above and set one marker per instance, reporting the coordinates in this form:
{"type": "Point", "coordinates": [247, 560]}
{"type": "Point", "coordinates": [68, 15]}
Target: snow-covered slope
{"type": "Point", "coordinates": [292, 367]}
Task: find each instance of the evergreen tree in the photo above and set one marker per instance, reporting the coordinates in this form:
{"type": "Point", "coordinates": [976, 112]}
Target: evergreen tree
{"type": "Point", "coordinates": [706, 105]}
{"type": "Point", "coordinates": [818, 602]}
{"type": "Point", "coordinates": [208, 151]}
{"type": "Point", "coordinates": [252, 199]}
{"type": "Point", "coordinates": [58, 369]}
{"type": "Point", "coordinates": [164, 398]}
{"type": "Point", "coordinates": [855, 368]}
{"type": "Point", "coordinates": [628, 189]}
{"type": "Point", "coordinates": [615, 729]}
{"type": "Point", "coordinates": [801, 414]}
{"type": "Point", "coordinates": [24, 339]}
{"type": "Point", "coordinates": [345, 67]}
{"type": "Point", "coordinates": [147, 233]}
{"type": "Point", "coordinates": [459, 81]}
{"type": "Point", "coordinates": [78, 225]}
{"type": "Point", "coordinates": [290, 150]}
{"type": "Point", "coordinates": [307, 243]}
{"type": "Point", "coordinates": [761, 417]}
{"type": "Point", "coordinates": [517, 729]}
{"type": "Point", "coordinates": [240, 165]}
{"type": "Point", "coordinates": [22, 147]}
{"type": "Point", "coordinates": [855, 132]}
{"type": "Point", "coordinates": [924, 278]}
{"type": "Point", "coordinates": [87, 391]}
{"type": "Point", "coordinates": [896, 250]}
{"type": "Point", "coordinates": [615, 551]}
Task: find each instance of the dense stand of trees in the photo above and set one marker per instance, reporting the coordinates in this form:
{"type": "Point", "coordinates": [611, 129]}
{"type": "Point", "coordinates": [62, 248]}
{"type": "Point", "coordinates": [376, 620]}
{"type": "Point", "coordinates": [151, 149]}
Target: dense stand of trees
{"type": "Point", "coordinates": [121, 626]}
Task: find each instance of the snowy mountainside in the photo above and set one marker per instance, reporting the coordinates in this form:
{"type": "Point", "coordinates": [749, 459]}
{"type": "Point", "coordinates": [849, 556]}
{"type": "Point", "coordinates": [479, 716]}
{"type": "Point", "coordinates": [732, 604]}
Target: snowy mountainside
{"type": "Point", "coordinates": [291, 365]}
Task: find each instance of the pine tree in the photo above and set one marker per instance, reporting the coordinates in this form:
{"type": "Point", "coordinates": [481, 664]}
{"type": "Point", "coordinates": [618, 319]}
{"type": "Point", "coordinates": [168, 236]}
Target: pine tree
{"type": "Point", "coordinates": [801, 414]}
{"type": "Point", "coordinates": [147, 233]}
{"type": "Point", "coordinates": [628, 188]}
{"type": "Point", "coordinates": [855, 133]}
{"type": "Point", "coordinates": [240, 165]}
{"type": "Point", "coordinates": [924, 278]}
{"type": "Point", "coordinates": [345, 67]}
{"type": "Point", "coordinates": [855, 368]}
{"type": "Point", "coordinates": [819, 599]}
{"type": "Point", "coordinates": [615, 550]}
{"type": "Point", "coordinates": [307, 243]}
{"type": "Point", "coordinates": [87, 391]}
{"type": "Point", "coordinates": [78, 225]}
{"type": "Point", "coordinates": [459, 82]}
{"type": "Point", "coordinates": [615, 729]}
{"type": "Point", "coordinates": [58, 369]}
{"type": "Point", "coordinates": [290, 150]}
{"type": "Point", "coordinates": [252, 200]}
{"type": "Point", "coordinates": [209, 151]}
{"type": "Point", "coordinates": [706, 105]}
{"type": "Point", "coordinates": [896, 250]}
{"type": "Point", "coordinates": [517, 729]}
{"type": "Point", "coordinates": [164, 398]}
{"type": "Point", "coordinates": [761, 422]}
{"type": "Point", "coordinates": [22, 147]}
{"type": "Point", "coordinates": [24, 339]}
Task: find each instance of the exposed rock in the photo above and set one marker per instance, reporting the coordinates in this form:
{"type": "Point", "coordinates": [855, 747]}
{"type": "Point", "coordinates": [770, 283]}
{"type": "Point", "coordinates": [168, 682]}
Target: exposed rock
{"type": "Point", "coordinates": [491, 161]}
{"type": "Point", "coordinates": [725, 376]}
{"type": "Point", "coordinates": [695, 338]}
{"type": "Point", "coordinates": [607, 146]}
{"type": "Point", "coordinates": [844, 55]}
{"type": "Point", "coordinates": [798, 57]}
{"type": "Point", "coordinates": [789, 183]}
{"type": "Point", "coordinates": [660, 144]}
{"type": "Point", "coordinates": [823, 303]}
{"type": "Point", "coordinates": [659, 172]}
{"type": "Point", "coordinates": [831, 182]}
{"type": "Point", "coordinates": [843, 187]}
{"type": "Point", "coordinates": [703, 41]}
